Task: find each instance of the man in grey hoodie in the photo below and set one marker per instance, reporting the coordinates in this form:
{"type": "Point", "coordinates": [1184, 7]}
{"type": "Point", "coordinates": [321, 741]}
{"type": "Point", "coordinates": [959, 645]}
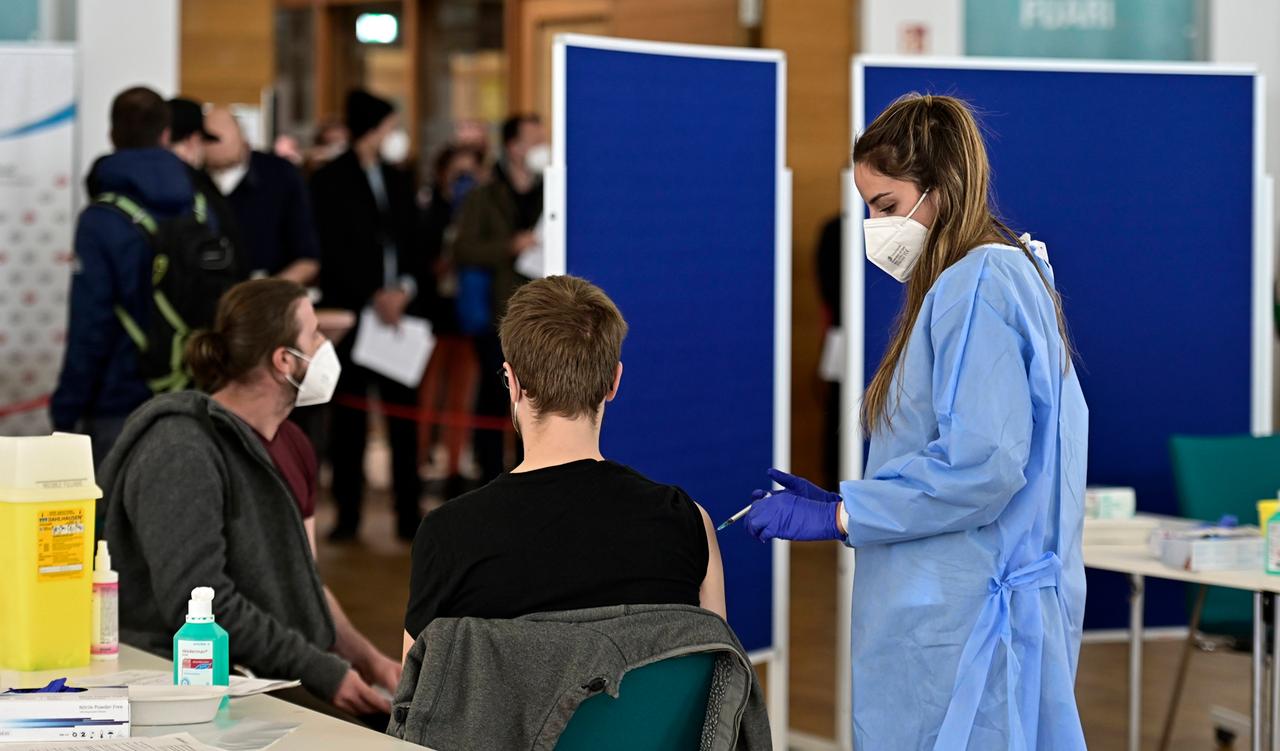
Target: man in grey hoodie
{"type": "Point", "coordinates": [205, 491]}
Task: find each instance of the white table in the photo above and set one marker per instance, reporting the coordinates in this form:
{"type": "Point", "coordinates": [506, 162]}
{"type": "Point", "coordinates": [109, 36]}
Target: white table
{"type": "Point", "coordinates": [1136, 562]}
{"type": "Point", "coordinates": [315, 732]}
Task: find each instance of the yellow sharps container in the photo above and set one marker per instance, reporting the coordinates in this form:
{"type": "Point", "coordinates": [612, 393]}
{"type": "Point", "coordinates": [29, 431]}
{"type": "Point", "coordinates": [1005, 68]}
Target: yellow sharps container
{"type": "Point", "coordinates": [47, 499]}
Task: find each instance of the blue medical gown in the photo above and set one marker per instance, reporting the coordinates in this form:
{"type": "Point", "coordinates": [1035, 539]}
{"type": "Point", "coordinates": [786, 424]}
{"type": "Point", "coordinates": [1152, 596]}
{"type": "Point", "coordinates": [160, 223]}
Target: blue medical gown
{"type": "Point", "coordinates": [969, 581]}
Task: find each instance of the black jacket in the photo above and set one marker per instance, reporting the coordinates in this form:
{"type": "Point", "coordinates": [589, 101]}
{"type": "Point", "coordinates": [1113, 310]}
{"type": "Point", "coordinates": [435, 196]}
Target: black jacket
{"type": "Point", "coordinates": [351, 230]}
{"type": "Point", "coordinates": [274, 212]}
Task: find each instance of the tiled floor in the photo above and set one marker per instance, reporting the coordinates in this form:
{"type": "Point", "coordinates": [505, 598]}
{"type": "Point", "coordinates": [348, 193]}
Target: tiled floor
{"type": "Point", "coordinates": [371, 577]}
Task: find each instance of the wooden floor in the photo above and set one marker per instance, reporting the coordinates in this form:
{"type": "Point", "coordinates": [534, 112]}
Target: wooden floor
{"type": "Point", "coordinates": [370, 578]}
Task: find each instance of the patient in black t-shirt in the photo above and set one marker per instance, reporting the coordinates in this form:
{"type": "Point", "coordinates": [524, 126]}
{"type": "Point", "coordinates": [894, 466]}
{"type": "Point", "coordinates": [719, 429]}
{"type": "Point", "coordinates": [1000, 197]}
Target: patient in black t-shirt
{"type": "Point", "coordinates": [566, 529]}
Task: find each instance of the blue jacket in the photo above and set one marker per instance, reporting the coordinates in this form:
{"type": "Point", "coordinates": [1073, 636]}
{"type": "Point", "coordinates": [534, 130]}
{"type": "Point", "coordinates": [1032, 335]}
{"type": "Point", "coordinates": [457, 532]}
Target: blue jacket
{"type": "Point", "coordinates": [113, 267]}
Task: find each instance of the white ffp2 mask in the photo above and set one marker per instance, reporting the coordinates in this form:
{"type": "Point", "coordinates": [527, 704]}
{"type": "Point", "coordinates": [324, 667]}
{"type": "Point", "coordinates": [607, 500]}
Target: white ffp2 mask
{"type": "Point", "coordinates": [395, 147]}
{"type": "Point", "coordinates": [321, 378]}
{"type": "Point", "coordinates": [229, 179]}
{"type": "Point", "coordinates": [894, 243]}
{"type": "Point", "coordinates": [538, 159]}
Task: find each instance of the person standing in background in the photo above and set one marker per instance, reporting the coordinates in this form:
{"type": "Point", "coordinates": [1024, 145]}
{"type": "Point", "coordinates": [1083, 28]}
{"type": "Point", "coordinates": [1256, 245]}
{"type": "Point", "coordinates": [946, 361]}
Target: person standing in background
{"type": "Point", "coordinates": [189, 139]}
{"type": "Point", "coordinates": [496, 226]}
{"type": "Point", "coordinates": [828, 271]}
{"type": "Point", "coordinates": [270, 202]}
{"type": "Point", "coordinates": [329, 143]}
{"type": "Point", "coordinates": [370, 257]}
{"type": "Point", "coordinates": [453, 365]}
{"type": "Point", "coordinates": [100, 383]}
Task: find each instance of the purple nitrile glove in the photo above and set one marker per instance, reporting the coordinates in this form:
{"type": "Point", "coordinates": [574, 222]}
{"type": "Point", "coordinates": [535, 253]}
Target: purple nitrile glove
{"type": "Point", "coordinates": [801, 511]}
{"type": "Point", "coordinates": [802, 487]}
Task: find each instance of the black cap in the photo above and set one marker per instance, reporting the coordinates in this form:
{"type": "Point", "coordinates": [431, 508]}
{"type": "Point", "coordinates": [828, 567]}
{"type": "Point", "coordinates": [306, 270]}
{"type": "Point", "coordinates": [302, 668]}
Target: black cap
{"type": "Point", "coordinates": [187, 118]}
{"type": "Point", "coordinates": [365, 112]}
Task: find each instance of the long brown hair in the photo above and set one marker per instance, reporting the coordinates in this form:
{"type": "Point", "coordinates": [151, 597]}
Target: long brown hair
{"type": "Point", "coordinates": [934, 142]}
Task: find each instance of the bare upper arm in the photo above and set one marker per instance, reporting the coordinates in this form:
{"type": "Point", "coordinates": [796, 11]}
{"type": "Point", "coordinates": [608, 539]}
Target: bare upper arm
{"type": "Point", "coordinates": [711, 594]}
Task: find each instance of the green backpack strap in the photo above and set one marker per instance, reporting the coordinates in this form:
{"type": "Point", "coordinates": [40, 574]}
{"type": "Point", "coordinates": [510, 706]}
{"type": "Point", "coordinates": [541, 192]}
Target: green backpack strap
{"type": "Point", "coordinates": [178, 378]}
{"type": "Point", "coordinates": [141, 218]}
{"type": "Point", "coordinates": [131, 209]}
{"type": "Point", "coordinates": [201, 208]}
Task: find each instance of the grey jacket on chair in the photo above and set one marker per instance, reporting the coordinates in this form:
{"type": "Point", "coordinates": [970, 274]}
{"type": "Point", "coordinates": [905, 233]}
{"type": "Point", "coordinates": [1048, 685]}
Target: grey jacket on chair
{"type": "Point", "coordinates": [472, 683]}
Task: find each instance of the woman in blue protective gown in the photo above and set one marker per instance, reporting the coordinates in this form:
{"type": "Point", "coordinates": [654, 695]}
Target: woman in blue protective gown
{"type": "Point", "coordinates": [969, 581]}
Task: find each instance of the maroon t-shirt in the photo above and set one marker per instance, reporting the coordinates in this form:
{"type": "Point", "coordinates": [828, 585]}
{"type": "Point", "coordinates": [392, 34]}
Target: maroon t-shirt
{"type": "Point", "coordinates": [295, 458]}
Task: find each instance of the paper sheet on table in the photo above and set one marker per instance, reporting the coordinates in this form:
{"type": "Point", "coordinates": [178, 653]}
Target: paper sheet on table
{"type": "Point", "coordinates": [225, 734]}
{"type": "Point", "coordinates": [531, 264]}
{"type": "Point", "coordinates": [177, 742]}
{"type": "Point", "coordinates": [240, 686]}
{"type": "Point", "coordinates": [397, 352]}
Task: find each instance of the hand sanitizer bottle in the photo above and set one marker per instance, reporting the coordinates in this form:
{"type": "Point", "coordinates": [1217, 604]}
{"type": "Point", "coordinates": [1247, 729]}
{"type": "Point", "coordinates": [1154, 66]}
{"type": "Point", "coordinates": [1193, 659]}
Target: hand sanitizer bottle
{"type": "Point", "coordinates": [200, 652]}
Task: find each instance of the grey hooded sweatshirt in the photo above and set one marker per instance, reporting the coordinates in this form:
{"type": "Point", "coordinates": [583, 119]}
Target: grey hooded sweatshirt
{"type": "Point", "coordinates": [193, 500]}
{"type": "Point", "coordinates": [475, 683]}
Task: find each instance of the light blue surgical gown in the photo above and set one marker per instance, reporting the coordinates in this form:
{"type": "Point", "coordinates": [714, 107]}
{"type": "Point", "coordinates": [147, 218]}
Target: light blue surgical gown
{"type": "Point", "coordinates": [969, 581]}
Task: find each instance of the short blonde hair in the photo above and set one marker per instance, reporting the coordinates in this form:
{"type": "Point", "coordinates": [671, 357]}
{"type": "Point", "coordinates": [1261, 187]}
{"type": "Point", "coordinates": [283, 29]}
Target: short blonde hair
{"type": "Point", "coordinates": [563, 338]}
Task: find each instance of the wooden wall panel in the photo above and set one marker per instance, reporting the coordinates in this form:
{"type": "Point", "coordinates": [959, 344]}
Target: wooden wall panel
{"type": "Point", "coordinates": [687, 21]}
{"type": "Point", "coordinates": [531, 24]}
{"type": "Point", "coordinates": [227, 50]}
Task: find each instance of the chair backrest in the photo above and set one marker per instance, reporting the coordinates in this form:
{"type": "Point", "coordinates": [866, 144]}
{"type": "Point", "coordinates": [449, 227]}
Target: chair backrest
{"type": "Point", "coordinates": [1220, 475]}
{"type": "Point", "coordinates": [661, 705]}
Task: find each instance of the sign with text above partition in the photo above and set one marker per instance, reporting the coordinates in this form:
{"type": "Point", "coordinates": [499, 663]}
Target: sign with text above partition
{"type": "Point", "coordinates": [1102, 29]}
{"type": "Point", "coordinates": [668, 189]}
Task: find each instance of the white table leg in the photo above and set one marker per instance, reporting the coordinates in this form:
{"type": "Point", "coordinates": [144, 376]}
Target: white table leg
{"type": "Point", "coordinates": [1275, 677]}
{"type": "Point", "coordinates": [1136, 599]}
{"type": "Point", "coordinates": [1259, 642]}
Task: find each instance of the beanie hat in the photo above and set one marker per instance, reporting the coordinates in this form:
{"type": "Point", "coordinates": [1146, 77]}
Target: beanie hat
{"type": "Point", "coordinates": [365, 112]}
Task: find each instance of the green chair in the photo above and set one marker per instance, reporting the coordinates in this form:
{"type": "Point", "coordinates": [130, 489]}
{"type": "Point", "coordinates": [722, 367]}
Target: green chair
{"type": "Point", "coordinates": [1218, 476]}
{"type": "Point", "coordinates": [661, 705]}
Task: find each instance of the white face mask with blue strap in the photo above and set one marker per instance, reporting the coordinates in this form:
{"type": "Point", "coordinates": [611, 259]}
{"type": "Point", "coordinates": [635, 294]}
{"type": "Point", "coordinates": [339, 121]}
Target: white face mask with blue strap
{"type": "Point", "coordinates": [895, 243]}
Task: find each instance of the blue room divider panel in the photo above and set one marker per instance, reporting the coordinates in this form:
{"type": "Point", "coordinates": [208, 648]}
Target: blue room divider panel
{"type": "Point", "coordinates": [673, 193]}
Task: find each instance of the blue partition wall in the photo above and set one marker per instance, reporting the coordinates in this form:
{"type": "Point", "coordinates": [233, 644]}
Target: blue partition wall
{"type": "Point", "coordinates": [670, 196]}
{"type": "Point", "coordinates": [1142, 184]}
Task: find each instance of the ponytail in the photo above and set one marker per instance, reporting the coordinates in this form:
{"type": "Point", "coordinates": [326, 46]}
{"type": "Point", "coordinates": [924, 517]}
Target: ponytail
{"type": "Point", "coordinates": [254, 319]}
{"type": "Point", "coordinates": [206, 356]}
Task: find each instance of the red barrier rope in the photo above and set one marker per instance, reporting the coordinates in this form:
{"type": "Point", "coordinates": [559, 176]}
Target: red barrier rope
{"type": "Point", "coordinates": [416, 414]}
{"type": "Point", "coordinates": [31, 405]}
{"type": "Point", "coordinates": [398, 411]}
